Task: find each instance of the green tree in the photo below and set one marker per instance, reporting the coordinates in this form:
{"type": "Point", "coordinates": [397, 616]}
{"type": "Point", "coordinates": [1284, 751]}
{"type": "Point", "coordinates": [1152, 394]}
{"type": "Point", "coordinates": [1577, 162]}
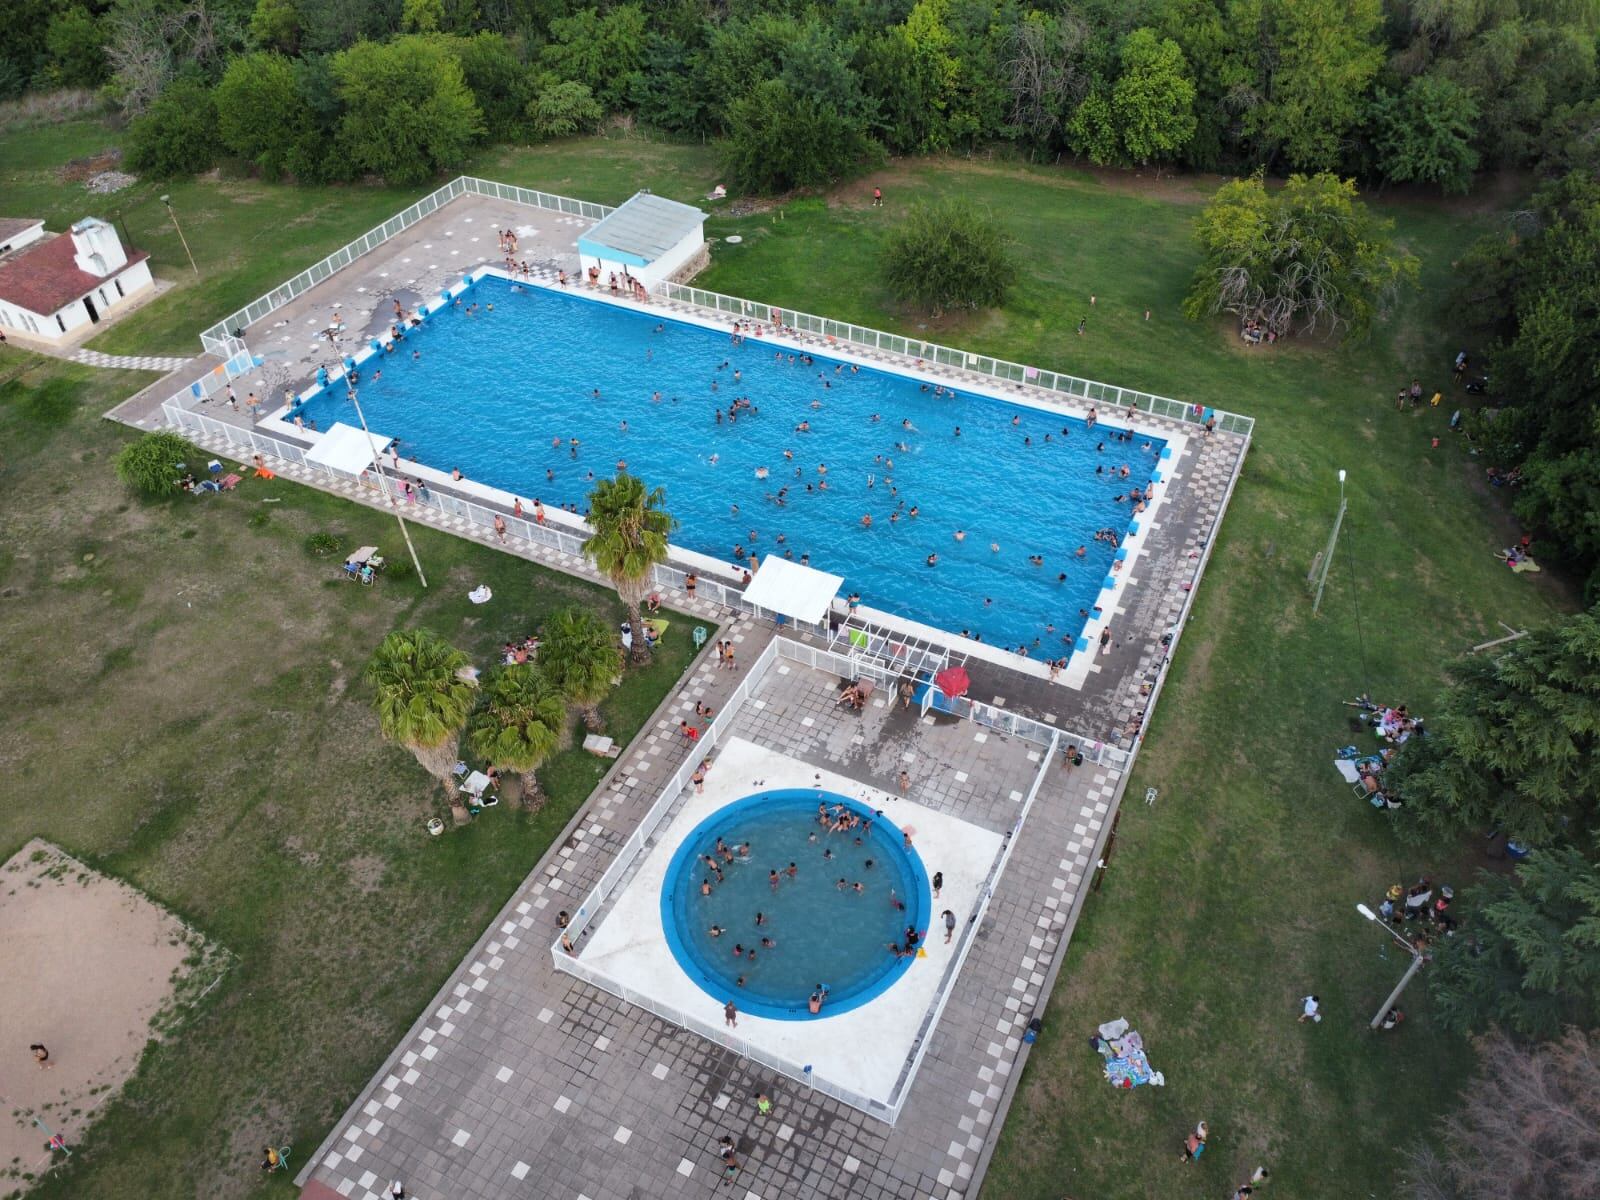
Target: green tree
{"type": "Point", "coordinates": [563, 108]}
{"type": "Point", "coordinates": [1319, 57]}
{"type": "Point", "coordinates": [949, 254]}
{"type": "Point", "coordinates": [421, 16]}
{"type": "Point", "coordinates": [153, 465]}
{"type": "Point", "coordinates": [1530, 962]}
{"type": "Point", "coordinates": [521, 721]}
{"type": "Point", "coordinates": [498, 79]}
{"type": "Point", "coordinates": [259, 114]}
{"type": "Point", "coordinates": [422, 701]}
{"type": "Point", "coordinates": [176, 135]}
{"type": "Point", "coordinates": [276, 25]}
{"type": "Point", "coordinates": [1515, 744]}
{"type": "Point", "coordinates": [1153, 100]}
{"type": "Point", "coordinates": [1535, 290]}
{"type": "Point", "coordinates": [915, 76]}
{"type": "Point", "coordinates": [581, 655]}
{"type": "Point", "coordinates": [1424, 134]}
{"type": "Point", "coordinates": [629, 540]}
{"type": "Point", "coordinates": [77, 49]}
{"type": "Point", "coordinates": [742, 53]}
{"type": "Point", "coordinates": [1308, 256]}
{"type": "Point", "coordinates": [777, 141]}
{"type": "Point", "coordinates": [599, 50]}
{"type": "Point", "coordinates": [408, 113]}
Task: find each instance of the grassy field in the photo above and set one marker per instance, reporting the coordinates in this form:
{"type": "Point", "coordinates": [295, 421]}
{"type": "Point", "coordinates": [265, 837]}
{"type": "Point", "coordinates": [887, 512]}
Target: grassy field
{"type": "Point", "coordinates": [1228, 898]}
{"type": "Point", "coordinates": [181, 705]}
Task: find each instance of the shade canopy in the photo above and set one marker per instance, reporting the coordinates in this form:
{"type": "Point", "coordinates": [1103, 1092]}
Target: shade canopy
{"type": "Point", "coordinates": [802, 594]}
{"type": "Point", "coordinates": [345, 448]}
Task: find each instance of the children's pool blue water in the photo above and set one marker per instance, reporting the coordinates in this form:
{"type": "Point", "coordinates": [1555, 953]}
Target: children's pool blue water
{"type": "Point", "coordinates": [490, 393]}
{"type": "Point", "coordinates": [822, 928]}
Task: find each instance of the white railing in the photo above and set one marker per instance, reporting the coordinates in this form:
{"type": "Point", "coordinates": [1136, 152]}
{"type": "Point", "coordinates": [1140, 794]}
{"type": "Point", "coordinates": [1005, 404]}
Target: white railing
{"type": "Point", "coordinates": [222, 340]}
{"type": "Point", "coordinates": [1116, 399]}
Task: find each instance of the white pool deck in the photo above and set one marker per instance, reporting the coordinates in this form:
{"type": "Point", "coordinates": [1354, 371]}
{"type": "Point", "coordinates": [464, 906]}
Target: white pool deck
{"type": "Point", "coordinates": [865, 1049]}
{"type": "Point", "coordinates": [1109, 605]}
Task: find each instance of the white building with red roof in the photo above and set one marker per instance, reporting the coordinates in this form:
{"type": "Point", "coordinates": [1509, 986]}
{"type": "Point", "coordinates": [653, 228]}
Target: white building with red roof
{"type": "Point", "coordinates": [53, 286]}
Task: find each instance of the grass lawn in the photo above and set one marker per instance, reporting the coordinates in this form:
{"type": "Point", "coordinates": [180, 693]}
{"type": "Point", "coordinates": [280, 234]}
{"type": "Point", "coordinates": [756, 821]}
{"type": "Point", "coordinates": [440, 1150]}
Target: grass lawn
{"type": "Point", "coordinates": [181, 705]}
{"type": "Point", "coordinates": [1227, 899]}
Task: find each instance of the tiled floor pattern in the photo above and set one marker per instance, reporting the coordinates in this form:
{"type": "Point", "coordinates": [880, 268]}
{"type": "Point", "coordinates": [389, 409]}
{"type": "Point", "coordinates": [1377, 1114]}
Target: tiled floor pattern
{"type": "Point", "coordinates": [520, 1081]}
{"type": "Point", "coordinates": [130, 362]}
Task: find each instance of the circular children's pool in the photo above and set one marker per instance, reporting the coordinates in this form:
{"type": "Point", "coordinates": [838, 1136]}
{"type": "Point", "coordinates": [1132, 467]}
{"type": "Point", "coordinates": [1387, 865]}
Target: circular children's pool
{"type": "Point", "coordinates": [800, 904]}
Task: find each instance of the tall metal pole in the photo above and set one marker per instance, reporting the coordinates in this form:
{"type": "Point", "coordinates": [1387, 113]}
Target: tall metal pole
{"type": "Point", "coordinates": [1327, 555]}
{"type": "Point", "coordinates": [173, 213]}
{"type": "Point", "coordinates": [394, 503]}
{"type": "Point", "coordinates": [1416, 965]}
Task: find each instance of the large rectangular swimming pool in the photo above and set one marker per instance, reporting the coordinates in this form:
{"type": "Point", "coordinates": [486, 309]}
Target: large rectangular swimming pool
{"type": "Point", "coordinates": [1003, 494]}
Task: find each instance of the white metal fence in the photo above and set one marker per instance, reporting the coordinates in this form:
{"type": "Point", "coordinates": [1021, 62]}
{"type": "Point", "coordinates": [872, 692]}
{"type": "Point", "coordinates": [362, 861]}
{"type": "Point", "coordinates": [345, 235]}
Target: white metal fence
{"type": "Point", "coordinates": [669, 800]}
{"type": "Point", "coordinates": [222, 340]}
{"type": "Point", "coordinates": [1113, 397]}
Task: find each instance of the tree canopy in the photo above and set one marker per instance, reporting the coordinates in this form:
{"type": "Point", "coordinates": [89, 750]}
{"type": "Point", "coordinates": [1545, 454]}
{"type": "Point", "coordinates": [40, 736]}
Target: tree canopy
{"type": "Point", "coordinates": [631, 528]}
{"type": "Point", "coordinates": [421, 698]}
{"type": "Point", "coordinates": [1308, 257]}
{"type": "Point", "coordinates": [1515, 744]}
{"type": "Point", "coordinates": [408, 113]}
{"type": "Point", "coordinates": [1417, 91]}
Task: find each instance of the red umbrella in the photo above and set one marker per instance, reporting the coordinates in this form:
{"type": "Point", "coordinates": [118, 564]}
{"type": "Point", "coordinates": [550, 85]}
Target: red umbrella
{"type": "Point", "coordinates": [953, 681]}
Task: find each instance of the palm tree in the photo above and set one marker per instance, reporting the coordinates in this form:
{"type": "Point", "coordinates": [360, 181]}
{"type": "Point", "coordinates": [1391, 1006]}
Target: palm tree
{"type": "Point", "coordinates": [522, 722]}
{"type": "Point", "coordinates": [422, 701]}
{"type": "Point", "coordinates": [630, 537]}
{"type": "Point", "coordinates": [581, 656]}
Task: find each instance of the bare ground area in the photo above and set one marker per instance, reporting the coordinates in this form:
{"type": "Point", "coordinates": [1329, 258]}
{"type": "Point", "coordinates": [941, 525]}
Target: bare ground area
{"type": "Point", "coordinates": [88, 969]}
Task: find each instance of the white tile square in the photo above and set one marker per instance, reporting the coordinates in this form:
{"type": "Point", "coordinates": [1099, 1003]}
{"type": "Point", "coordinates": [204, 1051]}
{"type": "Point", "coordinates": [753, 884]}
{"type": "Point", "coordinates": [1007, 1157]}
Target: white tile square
{"type": "Point", "coordinates": [685, 1167]}
{"type": "Point", "coordinates": [503, 1074]}
{"type": "Point", "coordinates": [622, 1135]}
{"type": "Point", "coordinates": [659, 1070]}
{"type": "Point", "coordinates": [520, 1171]}
{"type": "Point", "coordinates": [562, 1104]}
{"type": "Point", "coordinates": [461, 1137]}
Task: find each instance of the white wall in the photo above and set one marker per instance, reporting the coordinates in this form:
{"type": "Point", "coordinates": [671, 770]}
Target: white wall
{"type": "Point", "coordinates": [667, 265]}
{"type": "Point", "coordinates": [74, 316]}
{"type": "Point", "coordinates": [26, 238]}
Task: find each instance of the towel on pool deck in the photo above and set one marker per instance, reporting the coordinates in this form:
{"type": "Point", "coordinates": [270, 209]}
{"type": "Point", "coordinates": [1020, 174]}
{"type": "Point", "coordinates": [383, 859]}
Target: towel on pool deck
{"type": "Point", "coordinates": [1347, 769]}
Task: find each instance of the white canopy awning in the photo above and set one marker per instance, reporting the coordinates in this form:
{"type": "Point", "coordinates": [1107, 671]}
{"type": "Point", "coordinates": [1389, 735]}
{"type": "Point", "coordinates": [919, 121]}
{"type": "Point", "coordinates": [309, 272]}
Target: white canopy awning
{"type": "Point", "coordinates": [802, 594]}
{"type": "Point", "coordinates": [345, 448]}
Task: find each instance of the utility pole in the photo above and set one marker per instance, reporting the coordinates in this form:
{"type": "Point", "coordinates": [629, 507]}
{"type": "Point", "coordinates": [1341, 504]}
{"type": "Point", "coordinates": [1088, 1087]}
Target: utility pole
{"type": "Point", "coordinates": [394, 502]}
{"type": "Point", "coordinates": [1416, 961]}
{"type": "Point", "coordinates": [173, 213]}
{"type": "Point", "coordinates": [1327, 555]}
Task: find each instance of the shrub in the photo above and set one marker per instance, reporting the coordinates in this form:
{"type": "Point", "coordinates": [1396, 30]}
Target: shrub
{"type": "Point", "coordinates": [562, 109]}
{"type": "Point", "coordinates": [177, 135]}
{"type": "Point", "coordinates": [323, 544]}
{"type": "Point", "coordinates": [949, 254]}
{"type": "Point", "coordinates": [259, 115]}
{"type": "Point", "coordinates": [778, 139]}
{"type": "Point", "coordinates": [153, 465]}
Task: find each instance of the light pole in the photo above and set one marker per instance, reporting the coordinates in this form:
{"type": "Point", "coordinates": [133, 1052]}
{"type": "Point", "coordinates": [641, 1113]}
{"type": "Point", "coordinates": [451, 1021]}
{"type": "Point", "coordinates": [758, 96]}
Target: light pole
{"type": "Point", "coordinates": [173, 213]}
{"type": "Point", "coordinates": [1416, 961]}
{"type": "Point", "coordinates": [394, 503]}
{"type": "Point", "coordinates": [1327, 555]}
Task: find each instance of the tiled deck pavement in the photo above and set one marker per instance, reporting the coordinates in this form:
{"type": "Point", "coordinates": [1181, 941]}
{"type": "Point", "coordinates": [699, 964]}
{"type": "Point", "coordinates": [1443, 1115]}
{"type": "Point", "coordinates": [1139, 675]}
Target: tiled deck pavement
{"type": "Point", "coordinates": [520, 1081]}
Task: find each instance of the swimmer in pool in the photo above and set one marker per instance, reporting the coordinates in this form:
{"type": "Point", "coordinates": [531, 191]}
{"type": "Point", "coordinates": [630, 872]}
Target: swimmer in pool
{"type": "Point", "coordinates": [961, 535]}
{"type": "Point", "coordinates": [933, 560]}
{"type": "Point", "coordinates": [715, 931]}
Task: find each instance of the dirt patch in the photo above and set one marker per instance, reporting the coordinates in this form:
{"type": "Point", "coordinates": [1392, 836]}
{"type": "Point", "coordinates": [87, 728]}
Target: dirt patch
{"type": "Point", "coordinates": [93, 970]}
{"type": "Point", "coordinates": [79, 170]}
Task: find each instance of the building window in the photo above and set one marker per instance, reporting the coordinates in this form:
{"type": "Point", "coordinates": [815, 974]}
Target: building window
{"type": "Point", "coordinates": [117, 283]}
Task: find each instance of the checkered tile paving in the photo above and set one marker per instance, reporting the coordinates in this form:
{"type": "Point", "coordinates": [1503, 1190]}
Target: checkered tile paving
{"type": "Point", "coordinates": [130, 362]}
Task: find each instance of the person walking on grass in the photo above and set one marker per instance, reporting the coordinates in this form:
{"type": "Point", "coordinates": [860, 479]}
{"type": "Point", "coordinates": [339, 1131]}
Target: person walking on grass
{"type": "Point", "coordinates": [42, 1057]}
{"type": "Point", "coordinates": [1310, 1009]}
{"type": "Point", "coordinates": [1195, 1144]}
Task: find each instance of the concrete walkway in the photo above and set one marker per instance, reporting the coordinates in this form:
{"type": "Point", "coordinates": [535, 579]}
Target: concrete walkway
{"type": "Point", "coordinates": [129, 362]}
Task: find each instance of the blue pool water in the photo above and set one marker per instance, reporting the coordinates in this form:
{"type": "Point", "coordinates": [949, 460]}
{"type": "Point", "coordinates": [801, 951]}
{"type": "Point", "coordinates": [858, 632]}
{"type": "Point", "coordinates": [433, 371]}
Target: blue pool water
{"type": "Point", "coordinates": [490, 392]}
{"type": "Point", "coordinates": [821, 934]}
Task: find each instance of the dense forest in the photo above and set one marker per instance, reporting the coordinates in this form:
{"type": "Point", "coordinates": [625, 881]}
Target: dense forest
{"type": "Point", "coordinates": [1408, 91]}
